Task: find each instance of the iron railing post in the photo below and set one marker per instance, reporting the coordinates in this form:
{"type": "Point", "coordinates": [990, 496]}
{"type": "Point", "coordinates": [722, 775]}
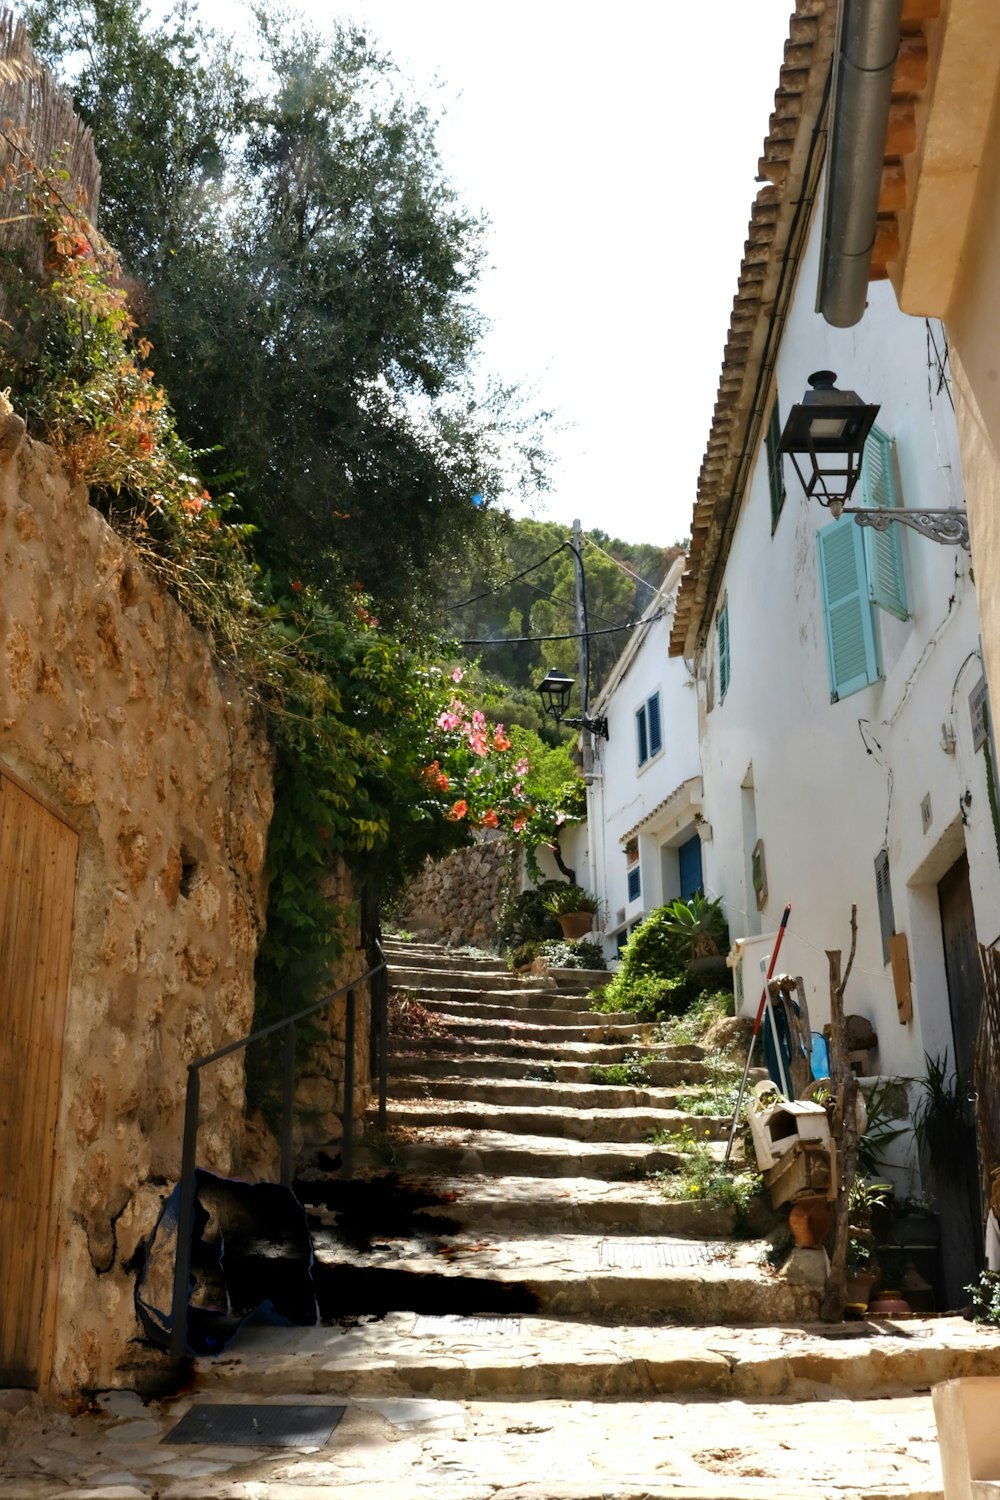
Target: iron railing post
{"type": "Point", "coordinates": [287, 1105]}
{"type": "Point", "coordinates": [185, 1216]}
{"type": "Point", "coordinates": [347, 1157]}
{"type": "Point", "coordinates": [382, 983]}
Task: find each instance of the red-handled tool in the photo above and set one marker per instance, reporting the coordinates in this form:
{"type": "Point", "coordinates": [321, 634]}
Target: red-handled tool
{"type": "Point", "coordinates": [756, 1028]}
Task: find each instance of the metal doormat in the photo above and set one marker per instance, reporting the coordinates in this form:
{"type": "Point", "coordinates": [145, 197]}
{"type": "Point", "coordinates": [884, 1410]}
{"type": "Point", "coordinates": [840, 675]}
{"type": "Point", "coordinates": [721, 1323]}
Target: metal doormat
{"type": "Point", "coordinates": [247, 1426]}
{"type": "Point", "coordinates": [629, 1255]}
{"type": "Point", "coordinates": [451, 1324]}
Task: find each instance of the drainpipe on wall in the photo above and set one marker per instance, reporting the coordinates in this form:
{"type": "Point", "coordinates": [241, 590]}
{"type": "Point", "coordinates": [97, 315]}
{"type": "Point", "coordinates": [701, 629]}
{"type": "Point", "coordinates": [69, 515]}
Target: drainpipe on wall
{"type": "Point", "coordinates": [868, 41]}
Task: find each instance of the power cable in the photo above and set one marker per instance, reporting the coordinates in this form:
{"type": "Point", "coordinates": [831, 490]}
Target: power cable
{"type": "Point", "coordinates": [573, 635]}
{"type": "Point", "coordinates": [619, 564]}
{"type": "Point", "coordinates": [487, 593]}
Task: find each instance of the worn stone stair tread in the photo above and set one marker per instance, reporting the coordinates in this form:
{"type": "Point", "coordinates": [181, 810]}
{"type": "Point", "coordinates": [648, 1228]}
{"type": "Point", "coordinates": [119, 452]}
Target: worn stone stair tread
{"type": "Point", "coordinates": [566, 1122]}
{"type": "Point", "coordinates": [549, 1002]}
{"type": "Point", "coordinates": [538, 1357]}
{"type": "Point", "coordinates": [413, 1066]}
{"type": "Point", "coordinates": [499, 1152]}
{"type": "Point", "coordinates": [531, 1015]}
{"type": "Point", "coordinates": [539, 1049]}
{"type": "Point", "coordinates": [556, 1037]}
{"type": "Point", "coordinates": [564, 1093]}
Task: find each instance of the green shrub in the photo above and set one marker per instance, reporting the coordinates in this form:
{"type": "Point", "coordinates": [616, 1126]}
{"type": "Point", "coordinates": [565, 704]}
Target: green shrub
{"type": "Point", "coordinates": [632, 1073]}
{"type": "Point", "coordinates": [690, 1026]}
{"type": "Point", "coordinates": [559, 955]}
{"type": "Point", "coordinates": [653, 978]}
{"type": "Point", "coordinates": [701, 1177]}
{"type": "Point", "coordinates": [526, 919]}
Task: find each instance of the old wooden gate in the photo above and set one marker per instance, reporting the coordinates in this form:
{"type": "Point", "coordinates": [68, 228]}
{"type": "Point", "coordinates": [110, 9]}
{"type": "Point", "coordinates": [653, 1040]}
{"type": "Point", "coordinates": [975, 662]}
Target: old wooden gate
{"type": "Point", "coordinates": [37, 885]}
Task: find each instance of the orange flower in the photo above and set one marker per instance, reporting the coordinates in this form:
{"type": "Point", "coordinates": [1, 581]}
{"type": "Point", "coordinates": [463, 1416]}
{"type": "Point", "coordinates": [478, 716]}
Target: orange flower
{"type": "Point", "coordinates": [459, 810]}
{"type": "Point", "coordinates": [490, 819]}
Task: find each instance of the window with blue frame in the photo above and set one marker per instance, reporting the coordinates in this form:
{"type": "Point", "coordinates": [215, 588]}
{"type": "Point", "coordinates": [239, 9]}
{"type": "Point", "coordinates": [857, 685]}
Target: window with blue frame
{"type": "Point", "coordinates": [648, 731]}
{"type": "Point", "coordinates": [634, 884]}
{"type": "Point", "coordinates": [861, 569]}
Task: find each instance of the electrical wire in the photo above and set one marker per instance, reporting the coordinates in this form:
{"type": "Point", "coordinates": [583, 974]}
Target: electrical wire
{"type": "Point", "coordinates": [573, 635]}
{"type": "Point", "coordinates": [619, 564]}
{"type": "Point", "coordinates": [487, 593]}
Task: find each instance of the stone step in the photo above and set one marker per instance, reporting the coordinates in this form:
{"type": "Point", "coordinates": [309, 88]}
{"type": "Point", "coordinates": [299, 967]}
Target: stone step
{"type": "Point", "coordinates": [500, 979]}
{"type": "Point", "coordinates": [409, 1066]}
{"type": "Point", "coordinates": [485, 1008]}
{"type": "Point", "coordinates": [496, 1153]}
{"type": "Point", "coordinates": [609, 1279]}
{"type": "Point", "coordinates": [562, 1122]}
{"type": "Point", "coordinates": [526, 1031]}
{"type": "Point", "coordinates": [532, 1049]}
{"type": "Point", "coordinates": [535, 1358]}
{"type": "Point", "coordinates": [581, 1205]}
{"type": "Point", "coordinates": [410, 1089]}
{"type": "Point", "coordinates": [516, 1000]}
{"type": "Point", "coordinates": [427, 956]}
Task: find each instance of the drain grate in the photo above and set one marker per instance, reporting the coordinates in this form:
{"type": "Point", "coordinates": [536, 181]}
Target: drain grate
{"type": "Point", "coordinates": [225, 1424]}
{"type": "Point", "coordinates": [630, 1255]}
{"type": "Point", "coordinates": [452, 1323]}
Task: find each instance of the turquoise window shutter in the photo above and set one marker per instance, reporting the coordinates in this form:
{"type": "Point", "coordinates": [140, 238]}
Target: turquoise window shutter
{"type": "Point", "coordinates": [883, 549]}
{"type": "Point", "coordinates": [722, 630]}
{"type": "Point", "coordinates": [850, 637]}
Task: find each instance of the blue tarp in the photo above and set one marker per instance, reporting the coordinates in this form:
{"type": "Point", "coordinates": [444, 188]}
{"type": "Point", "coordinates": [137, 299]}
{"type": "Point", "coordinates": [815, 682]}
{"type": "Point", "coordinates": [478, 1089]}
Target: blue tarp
{"type": "Point", "coordinates": [250, 1252]}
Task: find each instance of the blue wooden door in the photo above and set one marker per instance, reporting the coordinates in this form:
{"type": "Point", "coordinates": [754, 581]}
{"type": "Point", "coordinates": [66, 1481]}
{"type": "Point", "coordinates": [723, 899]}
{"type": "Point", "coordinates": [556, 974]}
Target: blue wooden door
{"type": "Point", "coordinates": [689, 865]}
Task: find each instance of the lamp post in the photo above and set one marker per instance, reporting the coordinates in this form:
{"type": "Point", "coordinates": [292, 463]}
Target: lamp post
{"type": "Point", "coordinates": [829, 428]}
{"type": "Point", "coordinates": [556, 686]}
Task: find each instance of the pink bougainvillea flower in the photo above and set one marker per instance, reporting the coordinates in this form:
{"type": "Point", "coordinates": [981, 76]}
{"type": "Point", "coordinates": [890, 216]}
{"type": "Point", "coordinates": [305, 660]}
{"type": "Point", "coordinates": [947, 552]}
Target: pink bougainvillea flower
{"type": "Point", "coordinates": [521, 769]}
{"type": "Point", "coordinates": [560, 819]}
{"type": "Point", "coordinates": [518, 790]}
{"type": "Point", "coordinates": [490, 819]}
{"type": "Point", "coordinates": [479, 721]}
{"type": "Point", "coordinates": [448, 722]}
{"type": "Point", "coordinates": [457, 675]}
{"type": "Point", "coordinates": [519, 822]}
{"type": "Point", "coordinates": [478, 744]}
{"type": "Point", "coordinates": [459, 809]}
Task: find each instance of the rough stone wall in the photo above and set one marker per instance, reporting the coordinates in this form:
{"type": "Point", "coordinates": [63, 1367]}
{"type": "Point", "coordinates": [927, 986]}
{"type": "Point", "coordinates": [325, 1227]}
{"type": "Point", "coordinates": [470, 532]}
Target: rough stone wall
{"type": "Point", "coordinates": [112, 709]}
{"type": "Point", "coordinates": [457, 899]}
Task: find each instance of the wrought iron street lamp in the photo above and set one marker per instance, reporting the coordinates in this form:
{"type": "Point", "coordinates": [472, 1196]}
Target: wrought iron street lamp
{"type": "Point", "coordinates": [555, 689]}
{"type": "Point", "coordinates": [827, 430]}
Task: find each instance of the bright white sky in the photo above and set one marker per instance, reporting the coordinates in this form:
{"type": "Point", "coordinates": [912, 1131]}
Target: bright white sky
{"type": "Point", "coordinates": [614, 150]}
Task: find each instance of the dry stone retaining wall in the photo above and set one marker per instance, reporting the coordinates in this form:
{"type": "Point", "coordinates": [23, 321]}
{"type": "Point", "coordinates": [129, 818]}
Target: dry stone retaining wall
{"type": "Point", "coordinates": [457, 899]}
{"type": "Point", "coordinates": [114, 714]}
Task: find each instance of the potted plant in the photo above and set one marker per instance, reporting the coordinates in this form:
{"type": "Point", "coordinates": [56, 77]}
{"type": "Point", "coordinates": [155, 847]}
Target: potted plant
{"type": "Point", "coordinates": [573, 908]}
{"type": "Point", "coordinates": [700, 930]}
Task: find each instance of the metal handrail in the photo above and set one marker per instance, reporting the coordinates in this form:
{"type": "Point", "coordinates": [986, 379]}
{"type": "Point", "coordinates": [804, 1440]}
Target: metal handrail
{"type": "Point", "coordinates": [192, 1099]}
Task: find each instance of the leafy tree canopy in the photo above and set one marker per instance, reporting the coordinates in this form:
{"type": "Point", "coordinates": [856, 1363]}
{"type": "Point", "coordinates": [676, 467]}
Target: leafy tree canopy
{"type": "Point", "coordinates": [305, 273]}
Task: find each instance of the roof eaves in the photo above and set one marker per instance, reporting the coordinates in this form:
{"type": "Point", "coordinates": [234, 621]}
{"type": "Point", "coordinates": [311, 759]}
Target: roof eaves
{"type": "Point", "coordinates": [798, 103]}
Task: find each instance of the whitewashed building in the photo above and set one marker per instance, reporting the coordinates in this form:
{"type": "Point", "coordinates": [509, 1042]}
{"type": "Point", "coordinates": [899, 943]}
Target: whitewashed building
{"type": "Point", "coordinates": [845, 758]}
{"type": "Point", "coordinates": [644, 796]}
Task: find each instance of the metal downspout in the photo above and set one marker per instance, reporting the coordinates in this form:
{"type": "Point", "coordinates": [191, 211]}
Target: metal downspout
{"type": "Point", "coordinates": [866, 57]}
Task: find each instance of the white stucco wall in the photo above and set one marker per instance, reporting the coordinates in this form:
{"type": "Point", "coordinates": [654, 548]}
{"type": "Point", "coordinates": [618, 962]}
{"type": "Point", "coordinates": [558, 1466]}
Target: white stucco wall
{"type": "Point", "coordinates": [623, 794]}
{"type": "Point", "coordinates": [833, 781]}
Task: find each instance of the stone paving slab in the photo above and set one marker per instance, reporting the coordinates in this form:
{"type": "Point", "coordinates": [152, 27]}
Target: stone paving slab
{"type": "Point", "coordinates": [391, 1448]}
{"type": "Point", "coordinates": [488, 1007]}
{"type": "Point", "coordinates": [596, 1031]}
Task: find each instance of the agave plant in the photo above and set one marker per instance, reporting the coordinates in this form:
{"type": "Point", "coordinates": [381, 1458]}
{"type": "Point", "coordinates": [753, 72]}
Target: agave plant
{"type": "Point", "coordinates": [698, 924]}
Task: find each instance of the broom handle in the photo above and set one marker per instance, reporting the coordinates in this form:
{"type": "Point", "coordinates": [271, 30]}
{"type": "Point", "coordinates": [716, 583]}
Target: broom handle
{"type": "Point", "coordinates": [753, 1036]}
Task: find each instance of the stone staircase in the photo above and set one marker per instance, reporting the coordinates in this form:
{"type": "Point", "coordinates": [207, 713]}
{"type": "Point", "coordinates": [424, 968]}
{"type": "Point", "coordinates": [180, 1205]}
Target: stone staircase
{"type": "Point", "coordinates": [514, 1206]}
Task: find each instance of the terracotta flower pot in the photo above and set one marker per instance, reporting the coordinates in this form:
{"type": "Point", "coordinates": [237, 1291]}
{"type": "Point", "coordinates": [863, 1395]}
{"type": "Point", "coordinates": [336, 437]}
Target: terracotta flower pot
{"type": "Point", "coordinates": [575, 924]}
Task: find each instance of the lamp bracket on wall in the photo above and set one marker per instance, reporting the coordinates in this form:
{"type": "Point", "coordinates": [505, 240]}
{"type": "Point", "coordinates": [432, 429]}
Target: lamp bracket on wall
{"type": "Point", "coordinates": [949, 527]}
{"type": "Point", "coordinates": [595, 726]}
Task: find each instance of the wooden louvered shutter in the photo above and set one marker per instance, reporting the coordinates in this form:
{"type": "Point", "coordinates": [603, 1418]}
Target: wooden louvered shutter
{"type": "Point", "coordinates": [850, 638]}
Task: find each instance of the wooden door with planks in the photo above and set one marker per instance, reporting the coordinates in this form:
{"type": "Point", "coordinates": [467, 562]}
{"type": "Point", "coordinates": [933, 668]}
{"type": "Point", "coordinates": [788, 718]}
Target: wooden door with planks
{"type": "Point", "coordinates": [38, 854]}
